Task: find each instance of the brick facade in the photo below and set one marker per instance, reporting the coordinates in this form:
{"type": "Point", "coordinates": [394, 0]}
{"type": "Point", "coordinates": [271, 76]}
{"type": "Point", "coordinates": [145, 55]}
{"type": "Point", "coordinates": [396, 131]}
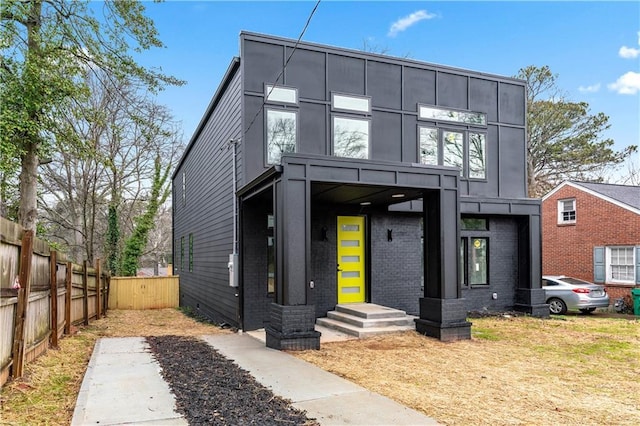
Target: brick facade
{"type": "Point", "coordinates": [568, 249]}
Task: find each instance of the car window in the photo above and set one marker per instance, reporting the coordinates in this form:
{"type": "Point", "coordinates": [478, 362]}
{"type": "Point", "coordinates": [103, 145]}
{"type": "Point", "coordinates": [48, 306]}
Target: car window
{"type": "Point", "coordinates": [548, 283]}
{"type": "Point", "coordinates": [574, 281]}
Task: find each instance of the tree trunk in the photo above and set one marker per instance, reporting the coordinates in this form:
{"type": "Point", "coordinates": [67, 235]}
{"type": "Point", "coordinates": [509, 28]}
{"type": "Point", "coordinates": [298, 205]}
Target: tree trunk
{"type": "Point", "coordinates": [28, 210]}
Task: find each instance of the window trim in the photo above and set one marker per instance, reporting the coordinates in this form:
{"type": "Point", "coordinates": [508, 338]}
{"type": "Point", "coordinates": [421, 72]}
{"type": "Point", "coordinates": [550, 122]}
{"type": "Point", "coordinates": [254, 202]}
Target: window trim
{"type": "Point", "coordinates": [561, 211]}
{"type": "Point", "coordinates": [351, 110]}
{"type": "Point", "coordinates": [267, 89]}
{"type": "Point", "coordinates": [609, 265]}
{"type": "Point", "coordinates": [350, 117]}
{"type": "Point", "coordinates": [266, 131]}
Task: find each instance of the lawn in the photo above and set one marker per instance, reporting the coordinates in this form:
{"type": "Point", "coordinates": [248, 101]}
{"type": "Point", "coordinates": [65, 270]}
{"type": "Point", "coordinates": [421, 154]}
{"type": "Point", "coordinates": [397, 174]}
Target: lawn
{"type": "Point", "coordinates": [516, 370]}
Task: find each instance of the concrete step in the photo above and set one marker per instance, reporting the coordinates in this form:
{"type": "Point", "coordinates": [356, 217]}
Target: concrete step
{"type": "Point", "coordinates": [370, 311]}
{"type": "Point", "coordinates": [362, 332]}
{"type": "Point", "coordinates": [371, 322]}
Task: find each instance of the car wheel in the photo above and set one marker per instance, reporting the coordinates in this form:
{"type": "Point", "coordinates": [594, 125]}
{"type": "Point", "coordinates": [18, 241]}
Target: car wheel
{"type": "Point", "coordinates": [557, 306]}
{"type": "Point", "coordinates": [587, 310]}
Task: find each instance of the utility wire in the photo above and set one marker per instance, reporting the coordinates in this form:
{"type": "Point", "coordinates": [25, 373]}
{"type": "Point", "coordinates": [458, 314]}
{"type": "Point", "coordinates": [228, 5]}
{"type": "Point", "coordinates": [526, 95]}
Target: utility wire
{"type": "Point", "coordinates": [295, 46]}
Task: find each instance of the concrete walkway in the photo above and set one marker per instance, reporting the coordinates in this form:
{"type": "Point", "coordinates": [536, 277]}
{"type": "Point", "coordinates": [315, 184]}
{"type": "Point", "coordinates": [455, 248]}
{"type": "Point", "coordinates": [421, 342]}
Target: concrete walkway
{"type": "Point", "coordinates": [123, 385]}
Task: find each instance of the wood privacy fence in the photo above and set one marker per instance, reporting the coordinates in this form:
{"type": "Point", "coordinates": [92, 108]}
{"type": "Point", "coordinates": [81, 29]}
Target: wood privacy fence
{"type": "Point", "coordinates": [144, 292]}
{"type": "Point", "coordinates": [54, 295]}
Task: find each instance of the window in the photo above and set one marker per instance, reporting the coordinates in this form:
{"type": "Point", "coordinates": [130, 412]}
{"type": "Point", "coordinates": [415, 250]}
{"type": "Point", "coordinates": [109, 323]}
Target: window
{"type": "Point", "coordinates": [280, 94]}
{"type": "Point", "coordinates": [477, 158]}
{"type": "Point", "coordinates": [428, 145]}
{"type": "Point", "coordinates": [351, 103]}
{"type": "Point", "coordinates": [176, 254]}
{"type": "Point", "coordinates": [281, 134]}
{"type": "Point", "coordinates": [184, 188]}
{"type": "Point", "coordinates": [478, 261]}
{"type": "Point", "coordinates": [182, 253]}
{"type": "Point", "coordinates": [433, 113]}
{"type": "Point", "coordinates": [190, 252]}
{"type": "Point", "coordinates": [621, 264]}
{"type": "Point", "coordinates": [271, 256]}
{"type": "Point", "coordinates": [566, 211]}
{"type": "Point", "coordinates": [350, 137]}
{"type": "Point", "coordinates": [463, 149]}
{"type": "Point", "coordinates": [474, 251]}
{"type": "Point", "coordinates": [474, 224]}
{"type": "Point", "coordinates": [453, 150]}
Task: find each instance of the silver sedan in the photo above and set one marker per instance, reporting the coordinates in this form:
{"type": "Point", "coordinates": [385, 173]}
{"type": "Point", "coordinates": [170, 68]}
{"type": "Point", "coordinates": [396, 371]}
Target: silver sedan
{"type": "Point", "coordinates": [564, 293]}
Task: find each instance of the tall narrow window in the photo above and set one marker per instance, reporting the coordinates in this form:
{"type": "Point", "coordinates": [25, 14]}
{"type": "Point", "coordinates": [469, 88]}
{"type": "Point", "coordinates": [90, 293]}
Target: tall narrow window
{"type": "Point", "coordinates": [190, 252]}
{"type": "Point", "coordinates": [477, 156]}
{"type": "Point", "coordinates": [281, 134]}
{"type": "Point", "coordinates": [184, 188]}
{"type": "Point", "coordinates": [350, 137]}
{"type": "Point", "coordinates": [428, 145]}
{"type": "Point", "coordinates": [271, 256]}
{"type": "Point", "coordinates": [182, 253]}
{"type": "Point", "coordinates": [567, 211]}
{"type": "Point", "coordinates": [462, 263]}
{"type": "Point", "coordinates": [478, 261]}
{"type": "Point", "coordinates": [453, 149]}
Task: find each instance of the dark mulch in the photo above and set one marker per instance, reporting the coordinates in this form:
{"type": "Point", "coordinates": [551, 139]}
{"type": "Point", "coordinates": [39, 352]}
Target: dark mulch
{"type": "Point", "coordinates": [211, 389]}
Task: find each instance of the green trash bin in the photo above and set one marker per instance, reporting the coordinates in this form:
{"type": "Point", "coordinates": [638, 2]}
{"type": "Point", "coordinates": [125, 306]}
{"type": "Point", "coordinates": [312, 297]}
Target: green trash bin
{"type": "Point", "coordinates": [635, 295]}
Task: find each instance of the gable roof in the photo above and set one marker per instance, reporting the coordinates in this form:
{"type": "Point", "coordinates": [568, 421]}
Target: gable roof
{"type": "Point", "coordinates": [625, 196]}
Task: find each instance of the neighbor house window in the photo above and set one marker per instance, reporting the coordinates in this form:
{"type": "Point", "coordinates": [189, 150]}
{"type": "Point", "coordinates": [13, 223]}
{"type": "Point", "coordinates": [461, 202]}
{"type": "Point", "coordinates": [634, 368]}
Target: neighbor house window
{"type": "Point", "coordinates": [426, 112]}
{"type": "Point", "coordinates": [567, 211]}
{"type": "Point", "coordinates": [621, 264]}
{"type": "Point", "coordinates": [280, 94]}
{"type": "Point", "coordinates": [190, 252]}
{"type": "Point", "coordinates": [281, 134]}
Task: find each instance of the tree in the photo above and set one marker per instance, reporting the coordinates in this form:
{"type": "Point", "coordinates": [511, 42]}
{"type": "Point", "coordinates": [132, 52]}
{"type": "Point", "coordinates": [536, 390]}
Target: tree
{"type": "Point", "coordinates": [563, 139]}
{"type": "Point", "coordinates": [48, 46]}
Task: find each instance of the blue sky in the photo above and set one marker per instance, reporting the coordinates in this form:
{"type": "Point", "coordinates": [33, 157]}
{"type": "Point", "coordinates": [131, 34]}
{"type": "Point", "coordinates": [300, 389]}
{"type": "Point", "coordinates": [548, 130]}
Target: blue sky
{"type": "Point", "coordinates": [594, 47]}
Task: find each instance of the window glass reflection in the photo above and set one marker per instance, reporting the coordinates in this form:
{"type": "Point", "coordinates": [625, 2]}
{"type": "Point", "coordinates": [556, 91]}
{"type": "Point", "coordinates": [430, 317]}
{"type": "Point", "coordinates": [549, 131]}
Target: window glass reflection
{"type": "Point", "coordinates": [281, 134]}
{"type": "Point", "coordinates": [281, 94]}
{"type": "Point", "coordinates": [350, 137]}
{"type": "Point", "coordinates": [431, 113]}
{"type": "Point", "coordinates": [477, 156]}
{"type": "Point", "coordinates": [351, 103]}
{"type": "Point", "coordinates": [453, 149]}
{"type": "Point", "coordinates": [428, 145]}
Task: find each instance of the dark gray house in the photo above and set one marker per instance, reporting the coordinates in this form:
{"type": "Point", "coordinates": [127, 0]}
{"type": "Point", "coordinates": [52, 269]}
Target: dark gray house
{"type": "Point", "coordinates": [322, 176]}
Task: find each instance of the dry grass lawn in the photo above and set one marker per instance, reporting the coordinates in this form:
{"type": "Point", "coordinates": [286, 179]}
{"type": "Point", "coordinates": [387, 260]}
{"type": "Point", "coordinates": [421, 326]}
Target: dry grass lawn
{"type": "Point", "coordinates": [573, 370]}
{"type": "Point", "coordinates": [515, 371]}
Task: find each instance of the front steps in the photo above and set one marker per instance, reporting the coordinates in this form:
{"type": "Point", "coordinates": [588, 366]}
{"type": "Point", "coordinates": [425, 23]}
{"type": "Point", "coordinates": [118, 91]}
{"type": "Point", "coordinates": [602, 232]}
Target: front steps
{"type": "Point", "coordinates": [367, 319]}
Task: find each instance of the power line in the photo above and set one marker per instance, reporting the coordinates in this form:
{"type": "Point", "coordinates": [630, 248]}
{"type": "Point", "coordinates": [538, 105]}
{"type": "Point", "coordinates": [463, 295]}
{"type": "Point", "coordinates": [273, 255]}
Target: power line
{"type": "Point", "coordinates": [295, 46]}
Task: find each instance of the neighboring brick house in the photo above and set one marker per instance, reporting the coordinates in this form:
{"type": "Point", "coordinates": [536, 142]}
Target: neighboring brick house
{"type": "Point", "coordinates": [325, 176]}
{"type": "Point", "coordinates": [592, 231]}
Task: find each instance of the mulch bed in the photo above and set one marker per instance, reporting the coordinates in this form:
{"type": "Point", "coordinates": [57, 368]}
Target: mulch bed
{"type": "Point", "coordinates": [211, 389]}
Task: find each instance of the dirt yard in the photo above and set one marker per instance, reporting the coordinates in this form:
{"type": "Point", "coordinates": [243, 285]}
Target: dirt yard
{"type": "Point", "coordinates": [567, 370]}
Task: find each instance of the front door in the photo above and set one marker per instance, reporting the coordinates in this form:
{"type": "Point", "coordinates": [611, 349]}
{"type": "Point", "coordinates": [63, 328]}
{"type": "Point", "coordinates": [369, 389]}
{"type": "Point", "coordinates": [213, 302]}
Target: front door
{"type": "Point", "coordinates": [351, 262]}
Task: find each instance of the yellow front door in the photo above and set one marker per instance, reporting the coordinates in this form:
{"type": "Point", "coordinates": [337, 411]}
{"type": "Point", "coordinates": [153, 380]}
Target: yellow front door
{"type": "Point", "coordinates": [351, 263]}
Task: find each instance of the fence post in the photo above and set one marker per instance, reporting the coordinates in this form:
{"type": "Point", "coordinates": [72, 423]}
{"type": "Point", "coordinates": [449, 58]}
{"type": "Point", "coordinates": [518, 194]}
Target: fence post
{"type": "Point", "coordinates": [98, 292]}
{"type": "Point", "coordinates": [26, 253]}
{"type": "Point", "coordinates": [68, 279]}
{"type": "Point", "coordinates": [85, 285]}
{"type": "Point", "coordinates": [53, 277]}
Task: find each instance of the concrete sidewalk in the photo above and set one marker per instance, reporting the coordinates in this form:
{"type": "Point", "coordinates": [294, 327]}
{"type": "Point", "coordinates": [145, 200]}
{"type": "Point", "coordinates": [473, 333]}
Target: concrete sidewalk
{"type": "Point", "coordinates": [123, 385]}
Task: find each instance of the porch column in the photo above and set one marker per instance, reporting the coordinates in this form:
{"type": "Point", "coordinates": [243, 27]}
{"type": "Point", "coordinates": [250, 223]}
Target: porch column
{"type": "Point", "coordinates": [443, 311]}
{"type": "Point", "coordinates": [530, 296]}
{"type": "Point", "coordinates": [291, 320]}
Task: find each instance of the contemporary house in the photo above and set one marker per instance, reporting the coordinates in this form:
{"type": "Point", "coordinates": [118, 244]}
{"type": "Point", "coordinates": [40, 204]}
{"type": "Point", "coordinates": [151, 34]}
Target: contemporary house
{"type": "Point", "coordinates": [321, 176]}
{"type": "Point", "coordinates": [592, 231]}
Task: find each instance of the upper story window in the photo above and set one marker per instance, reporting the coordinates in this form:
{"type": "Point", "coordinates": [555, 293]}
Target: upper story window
{"type": "Point", "coordinates": [351, 132]}
{"type": "Point", "coordinates": [441, 114]}
{"type": "Point", "coordinates": [281, 94]}
{"type": "Point", "coordinates": [281, 133]}
{"type": "Point", "coordinates": [184, 188]}
{"type": "Point", "coordinates": [566, 211]}
{"type": "Point", "coordinates": [463, 149]}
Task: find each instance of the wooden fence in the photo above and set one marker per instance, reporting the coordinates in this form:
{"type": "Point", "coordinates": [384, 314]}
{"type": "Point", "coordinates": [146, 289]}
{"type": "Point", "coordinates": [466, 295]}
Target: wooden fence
{"type": "Point", "coordinates": [54, 295]}
{"type": "Point", "coordinates": [144, 292]}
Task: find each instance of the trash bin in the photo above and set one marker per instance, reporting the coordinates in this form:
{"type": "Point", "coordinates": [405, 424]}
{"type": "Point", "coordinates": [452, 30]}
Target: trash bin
{"type": "Point", "coordinates": [635, 295]}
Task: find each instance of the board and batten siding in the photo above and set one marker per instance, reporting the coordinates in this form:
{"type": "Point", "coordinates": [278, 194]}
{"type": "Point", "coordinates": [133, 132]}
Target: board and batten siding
{"type": "Point", "coordinates": [207, 211]}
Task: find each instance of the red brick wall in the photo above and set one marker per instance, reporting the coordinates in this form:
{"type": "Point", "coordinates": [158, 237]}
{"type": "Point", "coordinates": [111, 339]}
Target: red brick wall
{"type": "Point", "coordinates": [568, 249]}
